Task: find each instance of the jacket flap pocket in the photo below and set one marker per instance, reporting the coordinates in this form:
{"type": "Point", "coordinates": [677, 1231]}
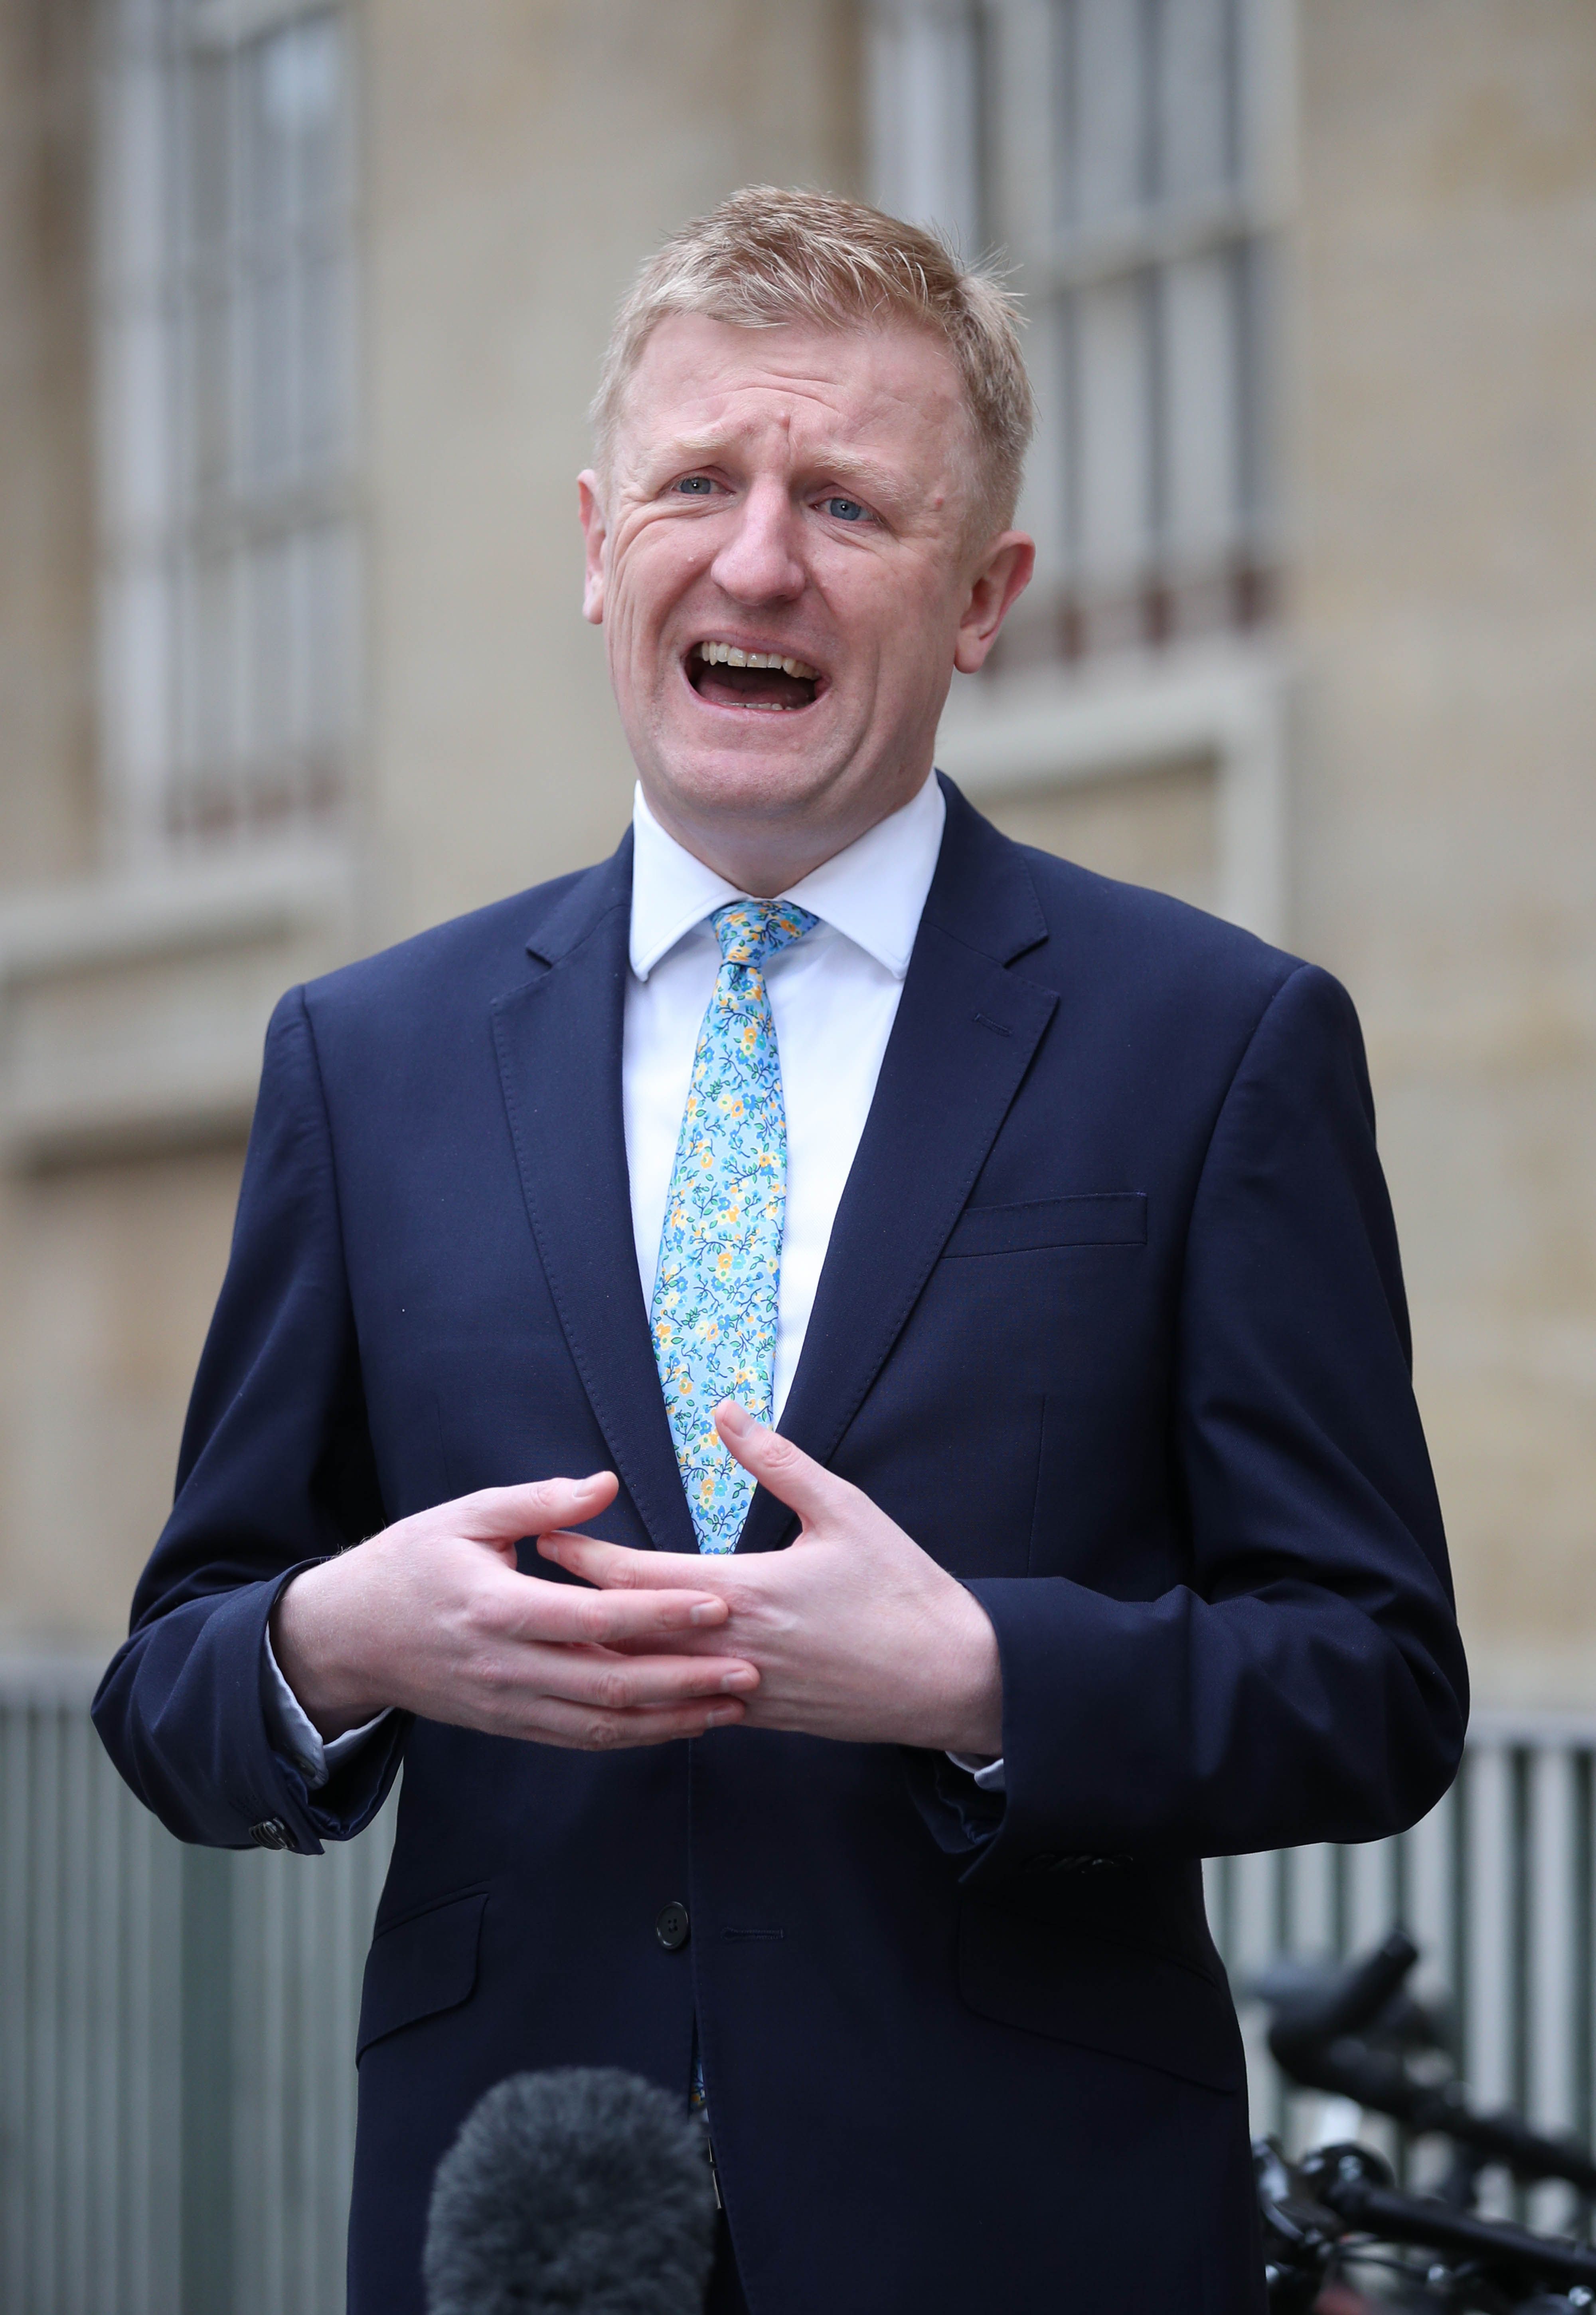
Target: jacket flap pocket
{"type": "Point", "coordinates": [1118, 1998]}
{"type": "Point", "coordinates": [422, 1964]}
{"type": "Point", "coordinates": [1100, 1218]}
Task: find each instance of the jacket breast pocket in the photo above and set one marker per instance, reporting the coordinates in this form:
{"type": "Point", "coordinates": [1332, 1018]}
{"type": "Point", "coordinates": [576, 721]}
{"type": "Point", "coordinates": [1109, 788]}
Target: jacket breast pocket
{"type": "Point", "coordinates": [1118, 1999]}
{"type": "Point", "coordinates": [1090, 1218]}
{"type": "Point", "coordinates": [423, 1964]}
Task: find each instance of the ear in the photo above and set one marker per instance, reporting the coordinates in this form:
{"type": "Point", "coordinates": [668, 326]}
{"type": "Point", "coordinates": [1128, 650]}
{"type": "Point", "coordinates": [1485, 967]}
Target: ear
{"type": "Point", "coordinates": [595, 532]}
{"type": "Point", "coordinates": [1001, 577]}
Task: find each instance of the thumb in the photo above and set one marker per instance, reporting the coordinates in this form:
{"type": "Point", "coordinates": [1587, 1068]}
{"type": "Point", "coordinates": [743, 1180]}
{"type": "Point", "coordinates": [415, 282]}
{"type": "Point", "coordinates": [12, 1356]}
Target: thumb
{"type": "Point", "coordinates": [502, 1516]}
{"type": "Point", "coordinates": [792, 1477]}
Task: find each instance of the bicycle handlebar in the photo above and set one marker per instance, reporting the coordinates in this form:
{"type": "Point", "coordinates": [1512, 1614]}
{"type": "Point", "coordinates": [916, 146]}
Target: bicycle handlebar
{"type": "Point", "coordinates": [1340, 2180]}
{"type": "Point", "coordinates": [1315, 2041]}
{"type": "Point", "coordinates": [1353, 2002]}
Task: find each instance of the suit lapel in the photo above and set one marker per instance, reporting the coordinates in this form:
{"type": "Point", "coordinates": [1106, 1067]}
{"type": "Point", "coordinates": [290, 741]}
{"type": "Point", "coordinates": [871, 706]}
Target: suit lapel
{"type": "Point", "coordinates": [558, 1038]}
{"type": "Point", "coordinates": [963, 1042]}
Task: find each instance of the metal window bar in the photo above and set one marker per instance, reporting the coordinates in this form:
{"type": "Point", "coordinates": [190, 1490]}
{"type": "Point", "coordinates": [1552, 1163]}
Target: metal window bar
{"type": "Point", "coordinates": [225, 356]}
{"type": "Point", "coordinates": [177, 2025]}
{"type": "Point", "coordinates": [1113, 149]}
{"type": "Point", "coordinates": [1147, 267]}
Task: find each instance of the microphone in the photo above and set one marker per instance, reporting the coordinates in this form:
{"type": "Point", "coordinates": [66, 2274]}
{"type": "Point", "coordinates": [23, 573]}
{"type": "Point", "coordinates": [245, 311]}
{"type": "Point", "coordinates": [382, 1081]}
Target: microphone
{"type": "Point", "coordinates": [584, 2190]}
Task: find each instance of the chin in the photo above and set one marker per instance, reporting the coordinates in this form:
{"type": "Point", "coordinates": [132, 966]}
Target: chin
{"type": "Point", "coordinates": [746, 770]}
{"type": "Point", "coordinates": [769, 785]}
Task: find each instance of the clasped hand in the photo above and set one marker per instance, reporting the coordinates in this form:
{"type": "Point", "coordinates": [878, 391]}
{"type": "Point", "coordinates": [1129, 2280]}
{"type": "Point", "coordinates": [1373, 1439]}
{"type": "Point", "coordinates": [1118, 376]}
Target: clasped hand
{"type": "Point", "coordinates": [853, 1633]}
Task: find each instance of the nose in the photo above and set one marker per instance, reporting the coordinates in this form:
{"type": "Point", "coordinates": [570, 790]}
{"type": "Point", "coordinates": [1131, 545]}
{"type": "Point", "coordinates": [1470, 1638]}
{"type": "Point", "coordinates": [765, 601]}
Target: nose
{"type": "Point", "coordinates": [759, 560]}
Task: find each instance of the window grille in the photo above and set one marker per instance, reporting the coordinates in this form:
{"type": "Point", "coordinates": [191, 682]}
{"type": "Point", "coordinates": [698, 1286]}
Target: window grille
{"type": "Point", "coordinates": [1118, 152]}
{"type": "Point", "coordinates": [231, 642]}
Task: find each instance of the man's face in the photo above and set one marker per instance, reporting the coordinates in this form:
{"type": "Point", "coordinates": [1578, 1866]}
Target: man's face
{"type": "Point", "coordinates": [799, 497]}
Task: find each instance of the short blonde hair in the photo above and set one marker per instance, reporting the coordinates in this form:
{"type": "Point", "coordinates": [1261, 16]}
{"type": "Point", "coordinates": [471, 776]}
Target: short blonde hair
{"type": "Point", "coordinates": [769, 256]}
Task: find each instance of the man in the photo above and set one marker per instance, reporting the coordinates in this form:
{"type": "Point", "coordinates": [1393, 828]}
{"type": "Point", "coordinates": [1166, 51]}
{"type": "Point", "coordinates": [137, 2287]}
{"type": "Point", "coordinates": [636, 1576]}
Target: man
{"type": "Point", "coordinates": [1041, 1214]}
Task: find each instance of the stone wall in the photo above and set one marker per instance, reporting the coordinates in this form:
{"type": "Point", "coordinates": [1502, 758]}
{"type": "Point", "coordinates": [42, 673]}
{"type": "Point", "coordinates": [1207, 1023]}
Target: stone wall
{"type": "Point", "coordinates": [46, 736]}
{"type": "Point", "coordinates": [1444, 474]}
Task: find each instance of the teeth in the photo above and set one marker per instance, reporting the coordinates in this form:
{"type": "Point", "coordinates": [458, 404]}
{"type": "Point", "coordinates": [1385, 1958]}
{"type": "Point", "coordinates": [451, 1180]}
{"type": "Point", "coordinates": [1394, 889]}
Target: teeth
{"type": "Point", "coordinates": [729, 655]}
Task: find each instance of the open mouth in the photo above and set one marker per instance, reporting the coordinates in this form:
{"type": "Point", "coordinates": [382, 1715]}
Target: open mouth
{"type": "Point", "coordinates": [726, 676]}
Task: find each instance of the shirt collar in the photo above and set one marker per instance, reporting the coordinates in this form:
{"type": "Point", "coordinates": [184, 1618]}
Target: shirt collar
{"type": "Point", "coordinates": [871, 892]}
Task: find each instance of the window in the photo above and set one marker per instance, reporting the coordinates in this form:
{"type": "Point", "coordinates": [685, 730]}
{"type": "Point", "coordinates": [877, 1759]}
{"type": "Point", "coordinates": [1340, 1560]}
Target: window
{"type": "Point", "coordinates": [230, 582]}
{"type": "Point", "coordinates": [1116, 150]}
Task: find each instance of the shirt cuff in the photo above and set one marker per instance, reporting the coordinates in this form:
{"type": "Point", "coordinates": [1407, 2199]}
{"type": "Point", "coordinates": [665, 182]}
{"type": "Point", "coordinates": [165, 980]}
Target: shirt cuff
{"type": "Point", "coordinates": [988, 1774]}
{"type": "Point", "coordinates": [292, 1732]}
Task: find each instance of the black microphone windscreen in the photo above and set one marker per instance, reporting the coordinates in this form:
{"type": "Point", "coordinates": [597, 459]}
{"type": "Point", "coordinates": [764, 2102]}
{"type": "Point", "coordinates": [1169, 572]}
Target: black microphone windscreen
{"type": "Point", "coordinates": [584, 2189]}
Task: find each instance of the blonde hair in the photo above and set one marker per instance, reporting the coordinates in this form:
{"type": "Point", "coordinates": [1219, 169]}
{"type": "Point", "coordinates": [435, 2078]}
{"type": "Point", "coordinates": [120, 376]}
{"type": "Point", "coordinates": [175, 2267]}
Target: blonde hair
{"type": "Point", "coordinates": [769, 256]}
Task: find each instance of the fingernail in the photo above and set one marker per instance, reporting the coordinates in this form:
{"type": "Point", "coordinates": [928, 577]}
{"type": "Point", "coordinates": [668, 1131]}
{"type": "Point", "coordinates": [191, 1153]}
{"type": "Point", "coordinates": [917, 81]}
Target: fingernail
{"type": "Point", "coordinates": [722, 1715]}
{"type": "Point", "coordinates": [732, 1418]}
{"type": "Point", "coordinates": [736, 1682]}
{"type": "Point", "coordinates": [708, 1611]}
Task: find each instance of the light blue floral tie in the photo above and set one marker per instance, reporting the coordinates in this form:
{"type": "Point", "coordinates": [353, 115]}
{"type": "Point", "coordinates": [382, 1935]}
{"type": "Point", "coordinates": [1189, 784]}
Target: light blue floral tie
{"type": "Point", "coordinates": [715, 1308]}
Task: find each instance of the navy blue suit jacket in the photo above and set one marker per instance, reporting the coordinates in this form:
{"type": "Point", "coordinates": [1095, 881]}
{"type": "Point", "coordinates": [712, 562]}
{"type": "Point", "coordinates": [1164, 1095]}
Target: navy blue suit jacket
{"type": "Point", "coordinates": [1112, 1321]}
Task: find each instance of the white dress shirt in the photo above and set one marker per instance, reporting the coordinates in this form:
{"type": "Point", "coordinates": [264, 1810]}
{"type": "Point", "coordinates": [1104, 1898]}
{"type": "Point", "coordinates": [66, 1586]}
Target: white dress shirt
{"type": "Point", "coordinates": [833, 998]}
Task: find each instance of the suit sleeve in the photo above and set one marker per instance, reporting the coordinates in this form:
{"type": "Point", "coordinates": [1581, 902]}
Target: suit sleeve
{"type": "Point", "coordinates": [1306, 1682]}
{"type": "Point", "coordinates": [276, 1473]}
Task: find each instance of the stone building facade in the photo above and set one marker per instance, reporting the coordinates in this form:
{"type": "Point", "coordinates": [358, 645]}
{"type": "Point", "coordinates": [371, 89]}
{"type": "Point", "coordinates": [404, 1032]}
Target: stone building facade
{"type": "Point", "coordinates": [300, 305]}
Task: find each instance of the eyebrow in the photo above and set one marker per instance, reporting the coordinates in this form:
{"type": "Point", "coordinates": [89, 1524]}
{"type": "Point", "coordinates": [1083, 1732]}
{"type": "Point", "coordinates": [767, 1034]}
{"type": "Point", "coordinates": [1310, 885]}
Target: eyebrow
{"type": "Point", "coordinates": [875, 480]}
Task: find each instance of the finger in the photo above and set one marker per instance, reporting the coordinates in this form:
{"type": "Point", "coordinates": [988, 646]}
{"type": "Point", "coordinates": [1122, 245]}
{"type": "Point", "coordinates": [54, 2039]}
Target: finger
{"type": "Point", "coordinates": [559, 1612]}
{"type": "Point", "coordinates": [617, 1567]}
{"type": "Point", "coordinates": [584, 1728]}
{"type": "Point", "coordinates": [505, 1514]}
{"type": "Point", "coordinates": [792, 1477]}
{"type": "Point", "coordinates": [625, 1683]}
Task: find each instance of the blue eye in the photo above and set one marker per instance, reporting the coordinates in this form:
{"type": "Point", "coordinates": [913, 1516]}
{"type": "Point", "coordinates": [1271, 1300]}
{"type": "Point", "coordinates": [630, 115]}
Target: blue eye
{"type": "Point", "coordinates": [695, 485]}
{"type": "Point", "coordinates": [845, 509]}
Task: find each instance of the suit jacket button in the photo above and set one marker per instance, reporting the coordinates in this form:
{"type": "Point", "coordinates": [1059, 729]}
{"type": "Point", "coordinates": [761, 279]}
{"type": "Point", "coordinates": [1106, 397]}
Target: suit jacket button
{"type": "Point", "coordinates": [672, 1928]}
{"type": "Point", "coordinates": [271, 1832]}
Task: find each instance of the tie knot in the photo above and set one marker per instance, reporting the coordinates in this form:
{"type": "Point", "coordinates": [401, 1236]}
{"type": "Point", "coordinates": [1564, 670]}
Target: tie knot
{"type": "Point", "coordinates": [748, 931]}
